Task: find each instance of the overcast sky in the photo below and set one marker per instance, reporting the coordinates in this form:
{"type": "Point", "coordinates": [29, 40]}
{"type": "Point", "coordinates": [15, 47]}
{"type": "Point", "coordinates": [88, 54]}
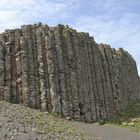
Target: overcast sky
{"type": "Point", "coordinates": [114, 22]}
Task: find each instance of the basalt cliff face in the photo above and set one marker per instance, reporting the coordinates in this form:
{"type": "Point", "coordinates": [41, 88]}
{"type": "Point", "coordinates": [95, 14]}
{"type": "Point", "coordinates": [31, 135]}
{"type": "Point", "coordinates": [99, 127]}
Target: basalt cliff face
{"type": "Point", "coordinates": [57, 69]}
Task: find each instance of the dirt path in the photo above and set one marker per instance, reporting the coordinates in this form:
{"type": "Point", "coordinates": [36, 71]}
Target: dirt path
{"type": "Point", "coordinates": [14, 126]}
{"type": "Point", "coordinates": [108, 132]}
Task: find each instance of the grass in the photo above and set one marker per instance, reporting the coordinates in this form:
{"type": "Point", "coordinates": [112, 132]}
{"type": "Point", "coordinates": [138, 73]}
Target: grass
{"type": "Point", "coordinates": [129, 117]}
{"type": "Point", "coordinates": [53, 123]}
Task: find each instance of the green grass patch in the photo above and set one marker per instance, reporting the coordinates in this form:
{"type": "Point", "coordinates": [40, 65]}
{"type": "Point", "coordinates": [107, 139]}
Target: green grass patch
{"type": "Point", "coordinates": [128, 117]}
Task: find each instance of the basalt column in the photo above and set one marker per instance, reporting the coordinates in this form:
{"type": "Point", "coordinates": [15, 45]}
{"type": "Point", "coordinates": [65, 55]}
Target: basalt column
{"type": "Point", "coordinates": [8, 69]}
{"type": "Point", "coordinates": [2, 71]}
{"type": "Point", "coordinates": [60, 70]}
{"type": "Point", "coordinates": [72, 85]}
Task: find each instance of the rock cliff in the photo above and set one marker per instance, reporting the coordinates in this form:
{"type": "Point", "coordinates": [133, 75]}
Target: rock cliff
{"type": "Point", "coordinates": [57, 69]}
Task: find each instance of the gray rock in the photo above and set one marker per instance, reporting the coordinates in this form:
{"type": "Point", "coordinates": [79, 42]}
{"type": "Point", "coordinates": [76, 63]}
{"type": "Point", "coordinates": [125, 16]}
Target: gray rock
{"type": "Point", "coordinates": [56, 69]}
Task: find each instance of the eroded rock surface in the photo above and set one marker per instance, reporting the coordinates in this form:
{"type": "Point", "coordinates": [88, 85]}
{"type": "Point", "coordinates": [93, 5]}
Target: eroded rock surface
{"type": "Point", "coordinates": [57, 69]}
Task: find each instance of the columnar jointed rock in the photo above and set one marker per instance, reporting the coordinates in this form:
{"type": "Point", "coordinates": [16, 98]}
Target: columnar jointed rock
{"type": "Point", "coordinates": [57, 69]}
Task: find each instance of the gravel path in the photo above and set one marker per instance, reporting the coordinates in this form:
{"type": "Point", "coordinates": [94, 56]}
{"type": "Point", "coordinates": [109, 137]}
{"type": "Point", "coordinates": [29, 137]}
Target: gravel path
{"type": "Point", "coordinates": [108, 132]}
{"type": "Point", "coordinates": [19, 123]}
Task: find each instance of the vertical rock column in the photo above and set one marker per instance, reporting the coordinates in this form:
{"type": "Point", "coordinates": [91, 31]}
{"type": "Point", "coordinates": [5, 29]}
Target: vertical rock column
{"type": "Point", "coordinates": [59, 45]}
{"type": "Point", "coordinates": [24, 98]}
{"type": "Point", "coordinates": [13, 67]}
{"type": "Point", "coordinates": [8, 68]}
{"type": "Point", "coordinates": [136, 82]}
{"type": "Point", "coordinates": [100, 83]}
{"type": "Point", "coordinates": [115, 80]}
{"type": "Point", "coordinates": [53, 72]}
{"type": "Point", "coordinates": [85, 74]}
{"type": "Point", "coordinates": [18, 64]}
{"type": "Point", "coordinates": [106, 62]}
{"type": "Point", "coordinates": [94, 77]}
{"type": "Point", "coordinates": [36, 68]}
{"type": "Point", "coordinates": [44, 31]}
{"type": "Point", "coordinates": [28, 34]}
{"type": "Point", "coordinates": [1, 71]}
{"type": "Point", "coordinates": [77, 41]}
{"type": "Point", "coordinates": [74, 103]}
{"type": "Point", "coordinates": [93, 93]}
{"type": "Point", "coordinates": [110, 65]}
{"type": "Point", "coordinates": [43, 90]}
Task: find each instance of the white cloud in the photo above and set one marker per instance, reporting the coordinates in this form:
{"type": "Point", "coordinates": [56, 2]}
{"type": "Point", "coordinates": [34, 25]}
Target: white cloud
{"type": "Point", "coordinates": [119, 31]}
{"type": "Point", "coordinates": [17, 12]}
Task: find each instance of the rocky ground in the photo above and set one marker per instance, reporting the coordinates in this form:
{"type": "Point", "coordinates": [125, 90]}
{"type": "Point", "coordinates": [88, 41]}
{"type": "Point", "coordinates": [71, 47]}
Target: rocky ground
{"type": "Point", "coordinates": [22, 123]}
